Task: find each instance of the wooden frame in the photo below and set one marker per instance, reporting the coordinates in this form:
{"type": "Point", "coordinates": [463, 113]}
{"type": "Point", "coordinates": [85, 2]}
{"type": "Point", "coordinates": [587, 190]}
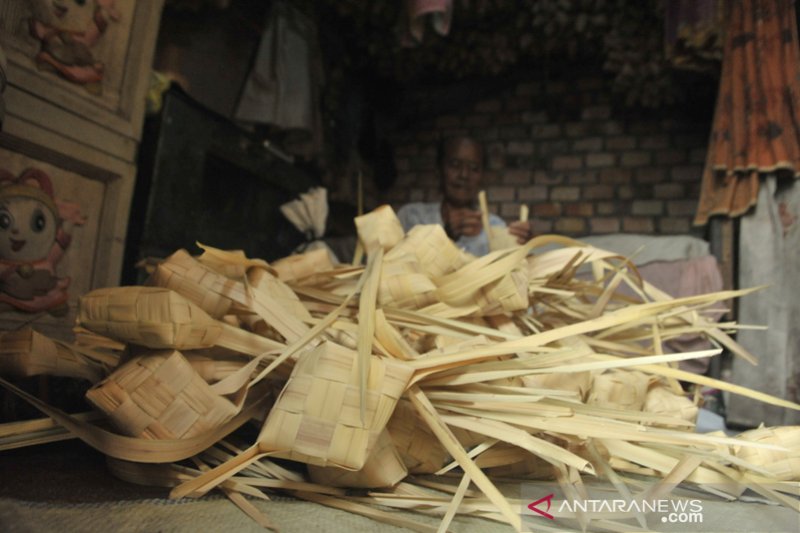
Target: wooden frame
{"type": "Point", "coordinates": [80, 122]}
{"type": "Point", "coordinates": [111, 120]}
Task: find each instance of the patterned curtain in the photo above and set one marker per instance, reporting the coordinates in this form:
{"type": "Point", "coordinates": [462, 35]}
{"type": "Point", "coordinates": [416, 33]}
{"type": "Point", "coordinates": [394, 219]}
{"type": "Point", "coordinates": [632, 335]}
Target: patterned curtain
{"type": "Point", "coordinates": [756, 128]}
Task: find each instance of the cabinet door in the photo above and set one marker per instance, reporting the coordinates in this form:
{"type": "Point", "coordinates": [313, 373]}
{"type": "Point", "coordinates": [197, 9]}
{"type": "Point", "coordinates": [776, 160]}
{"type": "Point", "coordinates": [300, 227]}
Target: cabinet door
{"type": "Point", "coordinates": [42, 274]}
{"type": "Point", "coordinates": [77, 71]}
{"type": "Point", "coordinates": [71, 61]}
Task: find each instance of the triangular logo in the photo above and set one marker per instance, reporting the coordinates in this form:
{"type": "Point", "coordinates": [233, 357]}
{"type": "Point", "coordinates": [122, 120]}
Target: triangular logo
{"type": "Point", "coordinates": [548, 499]}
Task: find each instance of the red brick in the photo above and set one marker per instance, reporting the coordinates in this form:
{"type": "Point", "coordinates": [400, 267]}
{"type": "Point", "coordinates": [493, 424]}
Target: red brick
{"type": "Point", "coordinates": [517, 177]}
{"type": "Point", "coordinates": [514, 132]}
{"type": "Point", "coordinates": [674, 225]}
{"type": "Point", "coordinates": [637, 225]}
{"type": "Point", "coordinates": [430, 178]}
{"type": "Point", "coordinates": [615, 176]}
{"type": "Point", "coordinates": [624, 192]}
{"type": "Point", "coordinates": [681, 207]}
{"type": "Point", "coordinates": [448, 121]}
{"type": "Point", "coordinates": [423, 163]}
{"type": "Point", "coordinates": [427, 136]}
{"type": "Point", "coordinates": [586, 177]}
{"type": "Point", "coordinates": [612, 127]}
{"type": "Point", "coordinates": [588, 144]}
{"type": "Point", "coordinates": [565, 193]}
{"type": "Point", "coordinates": [546, 209]}
{"type": "Point", "coordinates": [647, 207]}
{"type": "Point", "coordinates": [590, 84]}
{"type": "Point", "coordinates": [687, 173]}
{"type": "Point", "coordinates": [406, 149]}
{"type": "Point", "coordinates": [433, 194]}
{"type": "Point", "coordinates": [518, 103]}
{"type": "Point", "coordinates": [551, 148]}
{"type": "Point", "coordinates": [621, 143]}
{"type": "Point", "coordinates": [670, 157]}
{"type": "Point", "coordinates": [600, 160]}
{"type": "Point", "coordinates": [651, 175]}
{"type": "Point", "coordinates": [429, 150]}
{"type": "Point", "coordinates": [488, 106]}
{"type": "Point", "coordinates": [500, 194]}
{"type": "Point", "coordinates": [541, 226]}
{"type": "Point", "coordinates": [690, 140]}
{"type": "Point", "coordinates": [698, 155]}
{"type": "Point", "coordinates": [477, 121]}
{"type": "Point", "coordinates": [520, 148]}
{"type": "Point", "coordinates": [555, 87]}
{"type": "Point", "coordinates": [604, 225]}
{"type": "Point", "coordinates": [542, 177]}
{"type": "Point", "coordinates": [644, 127]}
{"type": "Point", "coordinates": [579, 209]}
{"type": "Point", "coordinates": [532, 193]}
{"type": "Point", "coordinates": [455, 132]}
{"type": "Point", "coordinates": [546, 131]}
{"type": "Point", "coordinates": [567, 162]}
{"type": "Point", "coordinates": [570, 226]}
{"type": "Point", "coordinates": [403, 164]}
{"type": "Point", "coordinates": [491, 177]}
{"type": "Point", "coordinates": [668, 191]}
{"type": "Point", "coordinates": [495, 155]}
{"type": "Point", "coordinates": [635, 159]}
{"type": "Point", "coordinates": [607, 208]}
{"type": "Point", "coordinates": [416, 195]}
{"type": "Point", "coordinates": [598, 192]}
{"type": "Point", "coordinates": [509, 210]}
{"type": "Point", "coordinates": [528, 88]}
{"type": "Point", "coordinates": [487, 134]}
{"type": "Point", "coordinates": [576, 129]}
{"type": "Point", "coordinates": [653, 142]}
{"type": "Point", "coordinates": [534, 117]}
{"type": "Point", "coordinates": [600, 112]}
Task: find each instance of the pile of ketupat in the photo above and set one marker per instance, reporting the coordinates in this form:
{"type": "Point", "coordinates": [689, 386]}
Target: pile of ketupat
{"type": "Point", "coordinates": [522, 364]}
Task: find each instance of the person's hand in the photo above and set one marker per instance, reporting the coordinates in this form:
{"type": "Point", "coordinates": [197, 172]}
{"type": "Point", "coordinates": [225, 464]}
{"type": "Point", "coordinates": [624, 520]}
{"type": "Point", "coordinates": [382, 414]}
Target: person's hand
{"type": "Point", "coordinates": [462, 221]}
{"type": "Point", "coordinates": [521, 229]}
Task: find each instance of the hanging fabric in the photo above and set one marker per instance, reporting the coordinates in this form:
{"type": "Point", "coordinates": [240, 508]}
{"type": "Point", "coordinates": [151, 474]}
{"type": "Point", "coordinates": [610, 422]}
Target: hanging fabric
{"type": "Point", "coordinates": [418, 12]}
{"type": "Point", "coordinates": [693, 34]}
{"type": "Point", "coordinates": [756, 127]}
{"type": "Point", "coordinates": [283, 86]}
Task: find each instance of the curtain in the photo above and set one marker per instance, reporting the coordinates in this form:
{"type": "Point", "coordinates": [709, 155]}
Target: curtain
{"type": "Point", "coordinates": [756, 127]}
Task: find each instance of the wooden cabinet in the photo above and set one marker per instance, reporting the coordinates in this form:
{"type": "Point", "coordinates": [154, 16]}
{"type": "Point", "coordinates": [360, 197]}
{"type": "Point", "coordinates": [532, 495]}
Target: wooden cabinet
{"type": "Point", "coordinates": [78, 72]}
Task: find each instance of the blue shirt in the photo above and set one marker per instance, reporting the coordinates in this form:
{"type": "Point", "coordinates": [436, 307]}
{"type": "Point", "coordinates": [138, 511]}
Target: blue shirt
{"type": "Point", "coordinates": [416, 213]}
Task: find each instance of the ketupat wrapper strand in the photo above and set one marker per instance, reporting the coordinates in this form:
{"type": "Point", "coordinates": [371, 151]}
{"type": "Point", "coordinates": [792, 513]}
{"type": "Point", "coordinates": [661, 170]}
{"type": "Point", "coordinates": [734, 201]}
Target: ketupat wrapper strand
{"type": "Point", "coordinates": [552, 371]}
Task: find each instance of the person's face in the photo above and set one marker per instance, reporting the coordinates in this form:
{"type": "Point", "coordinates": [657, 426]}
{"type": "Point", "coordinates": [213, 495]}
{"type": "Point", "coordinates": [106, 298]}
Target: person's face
{"type": "Point", "coordinates": [462, 169]}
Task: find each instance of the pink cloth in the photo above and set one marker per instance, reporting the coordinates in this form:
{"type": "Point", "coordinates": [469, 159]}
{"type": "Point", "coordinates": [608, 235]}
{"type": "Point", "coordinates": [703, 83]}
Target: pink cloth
{"type": "Point", "coordinates": [687, 277]}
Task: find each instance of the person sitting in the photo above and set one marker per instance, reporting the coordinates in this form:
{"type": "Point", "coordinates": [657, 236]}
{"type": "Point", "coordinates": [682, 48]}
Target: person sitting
{"type": "Point", "coordinates": [461, 164]}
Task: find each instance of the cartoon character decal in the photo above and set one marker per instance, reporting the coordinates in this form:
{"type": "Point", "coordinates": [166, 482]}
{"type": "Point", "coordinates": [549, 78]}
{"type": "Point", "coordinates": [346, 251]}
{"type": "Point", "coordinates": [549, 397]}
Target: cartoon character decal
{"type": "Point", "coordinates": [68, 30]}
{"type": "Point", "coordinates": [34, 233]}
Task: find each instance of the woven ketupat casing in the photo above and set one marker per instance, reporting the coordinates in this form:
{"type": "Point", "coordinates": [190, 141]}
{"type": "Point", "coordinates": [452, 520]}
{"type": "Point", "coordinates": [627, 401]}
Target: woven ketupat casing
{"type": "Point", "coordinates": [212, 292]}
{"type": "Point", "coordinates": [303, 265]}
{"type": "Point", "coordinates": [151, 316]}
{"type": "Point", "coordinates": [160, 396]}
{"type": "Point", "coordinates": [317, 417]}
{"type": "Point", "coordinates": [404, 285]}
{"type": "Point", "coordinates": [436, 253]}
{"type": "Point", "coordinates": [383, 468]}
{"type": "Point", "coordinates": [26, 353]}
{"type": "Point", "coordinates": [616, 389]}
{"type": "Point", "coordinates": [784, 465]}
{"type": "Point", "coordinates": [420, 450]}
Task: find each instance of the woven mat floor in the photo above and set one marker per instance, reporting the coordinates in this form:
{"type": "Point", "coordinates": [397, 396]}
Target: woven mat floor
{"type": "Point", "coordinates": [66, 487]}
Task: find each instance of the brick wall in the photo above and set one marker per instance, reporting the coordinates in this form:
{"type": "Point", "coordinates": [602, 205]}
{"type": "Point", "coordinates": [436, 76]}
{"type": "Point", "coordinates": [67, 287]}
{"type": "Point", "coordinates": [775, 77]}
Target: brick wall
{"type": "Point", "coordinates": [582, 166]}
